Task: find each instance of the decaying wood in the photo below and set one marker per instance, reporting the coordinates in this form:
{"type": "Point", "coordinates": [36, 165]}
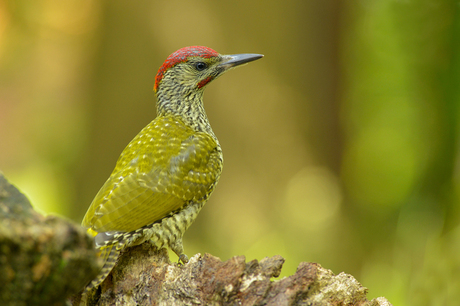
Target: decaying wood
{"type": "Point", "coordinates": [44, 261]}
{"type": "Point", "coordinates": [145, 276]}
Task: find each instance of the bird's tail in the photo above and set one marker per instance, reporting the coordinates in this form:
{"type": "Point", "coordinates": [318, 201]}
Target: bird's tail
{"type": "Point", "coordinates": [109, 254]}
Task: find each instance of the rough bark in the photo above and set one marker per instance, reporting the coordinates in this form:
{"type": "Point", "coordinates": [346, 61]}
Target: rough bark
{"type": "Point", "coordinates": [44, 261]}
{"type": "Point", "coordinates": [145, 276]}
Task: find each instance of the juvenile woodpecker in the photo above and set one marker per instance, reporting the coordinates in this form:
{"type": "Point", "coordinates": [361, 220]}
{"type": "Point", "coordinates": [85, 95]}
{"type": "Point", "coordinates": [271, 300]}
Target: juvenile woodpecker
{"type": "Point", "coordinates": [167, 172]}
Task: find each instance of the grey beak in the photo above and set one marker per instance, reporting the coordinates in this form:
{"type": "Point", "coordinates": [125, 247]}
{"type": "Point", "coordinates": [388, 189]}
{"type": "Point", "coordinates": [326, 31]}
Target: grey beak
{"type": "Point", "coordinates": [238, 59]}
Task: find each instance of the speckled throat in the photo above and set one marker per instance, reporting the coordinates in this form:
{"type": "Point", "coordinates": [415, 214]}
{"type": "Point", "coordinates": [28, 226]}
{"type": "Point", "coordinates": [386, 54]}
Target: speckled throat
{"type": "Point", "coordinates": [167, 172]}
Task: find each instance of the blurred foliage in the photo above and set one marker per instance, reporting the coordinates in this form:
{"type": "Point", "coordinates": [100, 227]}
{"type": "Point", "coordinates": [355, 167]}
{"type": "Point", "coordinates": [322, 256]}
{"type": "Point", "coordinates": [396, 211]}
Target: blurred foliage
{"type": "Point", "coordinates": [341, 145]}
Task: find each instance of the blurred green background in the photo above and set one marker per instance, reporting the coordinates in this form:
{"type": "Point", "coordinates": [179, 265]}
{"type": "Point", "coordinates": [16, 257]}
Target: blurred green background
{"type": "Point", "coordinates": [340, 145]}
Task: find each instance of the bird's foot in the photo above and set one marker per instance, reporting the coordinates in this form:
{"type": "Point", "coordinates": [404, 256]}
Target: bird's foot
{"type": "Point", "coordinates": [183, 259]}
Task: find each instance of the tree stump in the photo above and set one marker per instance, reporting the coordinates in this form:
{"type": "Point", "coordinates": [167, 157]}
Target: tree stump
{"type": "Point", "coordinates": [48, 261]}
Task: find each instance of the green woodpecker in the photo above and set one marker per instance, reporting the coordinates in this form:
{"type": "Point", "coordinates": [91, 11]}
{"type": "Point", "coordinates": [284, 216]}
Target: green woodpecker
{"type": "Point", "coordinates": [167, 172]}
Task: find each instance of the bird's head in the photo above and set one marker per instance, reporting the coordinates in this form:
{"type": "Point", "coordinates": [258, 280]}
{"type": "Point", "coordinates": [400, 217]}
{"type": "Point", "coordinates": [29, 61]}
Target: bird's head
{"type": "Point", "coordinates": [186, 72]}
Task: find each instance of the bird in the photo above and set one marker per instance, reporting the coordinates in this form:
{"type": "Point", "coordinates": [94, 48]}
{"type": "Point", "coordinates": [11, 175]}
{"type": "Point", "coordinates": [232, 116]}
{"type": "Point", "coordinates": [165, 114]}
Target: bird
{"type": "Point", "coordinates": [166, 174]}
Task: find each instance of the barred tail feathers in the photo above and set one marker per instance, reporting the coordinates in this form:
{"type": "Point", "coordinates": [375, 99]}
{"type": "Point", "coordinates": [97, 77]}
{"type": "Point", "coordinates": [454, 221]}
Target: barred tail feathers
{"type": "Point", "coordinates": [109, 253]}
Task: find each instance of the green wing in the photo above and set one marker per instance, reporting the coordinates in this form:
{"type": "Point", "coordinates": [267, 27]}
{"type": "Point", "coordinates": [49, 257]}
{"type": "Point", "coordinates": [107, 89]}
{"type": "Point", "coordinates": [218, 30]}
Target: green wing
{"type": "Point", "coordinates": [165, 167]}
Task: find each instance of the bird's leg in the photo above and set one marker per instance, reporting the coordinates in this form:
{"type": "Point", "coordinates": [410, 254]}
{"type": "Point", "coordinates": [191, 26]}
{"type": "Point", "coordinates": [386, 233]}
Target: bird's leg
{"type": "Point", "coordinates": [178, 248]}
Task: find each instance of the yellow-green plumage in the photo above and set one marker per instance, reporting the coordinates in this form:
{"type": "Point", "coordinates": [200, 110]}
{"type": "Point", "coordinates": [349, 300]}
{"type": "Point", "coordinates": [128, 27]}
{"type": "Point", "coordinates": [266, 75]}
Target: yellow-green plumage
{"type": "Point", "coordinates": [164, 167]}
{"type": "Point", "coordinates": [164, 176]}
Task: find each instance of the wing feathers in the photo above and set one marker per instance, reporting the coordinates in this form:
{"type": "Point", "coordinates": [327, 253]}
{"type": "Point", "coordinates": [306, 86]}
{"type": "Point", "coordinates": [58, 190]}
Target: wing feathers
{"type": "Point", "coordinates": [146, 186]}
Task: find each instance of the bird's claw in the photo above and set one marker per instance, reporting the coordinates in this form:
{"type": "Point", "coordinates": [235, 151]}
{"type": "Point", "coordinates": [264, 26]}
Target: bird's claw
{"type": "Point", "coordinates": [183, 259]}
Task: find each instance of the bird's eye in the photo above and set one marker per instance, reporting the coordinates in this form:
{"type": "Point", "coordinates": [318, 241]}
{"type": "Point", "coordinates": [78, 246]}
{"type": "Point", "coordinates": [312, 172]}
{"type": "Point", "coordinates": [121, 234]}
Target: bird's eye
{"type": "Point", "coordinates": [200, 66]}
